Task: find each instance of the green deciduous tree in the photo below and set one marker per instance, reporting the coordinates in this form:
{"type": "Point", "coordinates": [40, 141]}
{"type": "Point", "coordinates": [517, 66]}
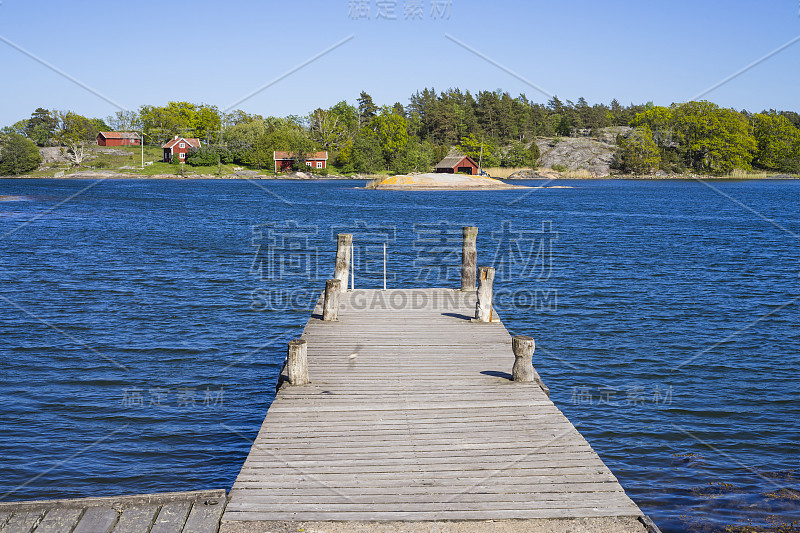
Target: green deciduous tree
{"type": "Point", "coordinates": [415, 156]}
{"type": "Point", "coordinates": [518, 155]}
{"type": "Point", "coordinates": [73, 127]}
{"type": "Point", "coordinates": [713, 139]}
{"type": "Point", "coordinates": [206, 123]}
{"type": "Point", "coordinates": [637, 152]}
{"type": "Point", "coordinates": [484, 153]}
{"type": "Point", "coordinates": [123, 121]}
{"type": "Point", "coordinates": [362, 154]}
{"type": "Point", "coordinates": [244, 134]}
{"type": "Point", "coordinates": [18, 127]}
{"type": "Point", "coordinates": [18, 154]}
{"type": "Point", "coordinates": [180, 118]}
{"type": "Point", "coordinates": [237, 116]}
{"type": "Point", "coordinates": [347, 117]}
{"type": "Point", "coordinates": [778, 142]}
{"type": "Point", "coordinates": [391, 132]}
{"type": "Point", "coordinates": [661, 121]}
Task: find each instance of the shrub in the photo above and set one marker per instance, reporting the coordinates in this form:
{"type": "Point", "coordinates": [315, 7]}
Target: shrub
{"type": "Point", "coordinates": [207, 156]}
{"type": "Point", "coordinates": [18, 155]}
{"type": "Point", "coordinates": [534, 154]}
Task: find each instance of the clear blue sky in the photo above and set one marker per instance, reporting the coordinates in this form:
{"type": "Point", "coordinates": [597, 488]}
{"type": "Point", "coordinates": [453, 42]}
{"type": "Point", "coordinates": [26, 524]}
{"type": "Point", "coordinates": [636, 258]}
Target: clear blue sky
{"type": "Point", "coordinates": [147, 52]}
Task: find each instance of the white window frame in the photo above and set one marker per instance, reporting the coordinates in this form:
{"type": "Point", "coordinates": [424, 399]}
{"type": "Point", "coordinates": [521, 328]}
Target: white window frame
{"type": "Point", "coordinates": [183, 156]}
{"type": "Point", "coordinates": [183, 145]}
{"type": "Point", "coordinates": [319, 164]}
{"type": "Point", "coordinates": [308, 164]}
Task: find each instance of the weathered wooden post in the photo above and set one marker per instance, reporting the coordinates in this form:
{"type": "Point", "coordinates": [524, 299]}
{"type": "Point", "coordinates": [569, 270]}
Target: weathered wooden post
{"type": "Point", "coordinates": [483, 309]}
{"type": "Point", "coordinates": [297, 362]}
{"type": "Point", "coordinates": [344, 246]}
{"type": "Point", "coordinates": [469, 258]}
{"type": "Point", "coordinates": [330, 305]}
{"type": "Point", "coordinates": [523, 347]}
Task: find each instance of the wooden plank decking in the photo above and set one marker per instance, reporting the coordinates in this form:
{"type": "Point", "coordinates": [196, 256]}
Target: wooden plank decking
{"type": "Point", "coordinates": [176, 512]}
{"type": "Point", "coordinates": [411, 416]}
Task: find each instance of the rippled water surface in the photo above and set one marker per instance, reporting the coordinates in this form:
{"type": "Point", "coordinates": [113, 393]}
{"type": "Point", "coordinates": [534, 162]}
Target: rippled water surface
{"type": "Point", "coordinates": [136, 353]}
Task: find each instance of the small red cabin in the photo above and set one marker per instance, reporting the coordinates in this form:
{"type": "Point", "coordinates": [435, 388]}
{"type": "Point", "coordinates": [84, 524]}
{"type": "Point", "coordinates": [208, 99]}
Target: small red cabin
{"type": "Point", "coordinates": [179, 146]}
{"type": "Point", "coordinates": [453, 164]}
{"type": "Point", "coordinates": [315, 161]}
{"type": "Point", "coordinates": [118, 138]}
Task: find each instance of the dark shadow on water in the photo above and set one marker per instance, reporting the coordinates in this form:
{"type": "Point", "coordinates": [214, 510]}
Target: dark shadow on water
{"type": "Point", "coordinates": [496, 374]}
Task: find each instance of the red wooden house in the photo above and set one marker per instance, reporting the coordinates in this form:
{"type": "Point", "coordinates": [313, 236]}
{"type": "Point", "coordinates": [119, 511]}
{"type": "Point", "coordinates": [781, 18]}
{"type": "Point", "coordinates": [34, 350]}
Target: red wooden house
{"type": "Point", "coordinates": [284, 161]}
{"type": "Point", "coordinates": [453, 164]}
{"type": "Point", "coordinates": [179, 147]}
{"type": "Point", "coordinates": [118, 138]}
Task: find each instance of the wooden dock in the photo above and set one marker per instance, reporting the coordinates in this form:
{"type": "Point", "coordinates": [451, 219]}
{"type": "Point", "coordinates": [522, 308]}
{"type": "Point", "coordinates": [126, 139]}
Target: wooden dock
{"type": "Point", "coordinates": [398, 411]}
{"type": "Point", "coordinates": [176, 512]}
{"type": "Point", "coordinates": [411, 415]}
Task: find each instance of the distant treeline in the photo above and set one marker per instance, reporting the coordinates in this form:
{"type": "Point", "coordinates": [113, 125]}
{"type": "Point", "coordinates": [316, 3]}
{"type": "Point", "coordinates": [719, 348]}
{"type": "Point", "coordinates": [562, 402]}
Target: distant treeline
{"type": "Point", "coordinates": [698, 136]}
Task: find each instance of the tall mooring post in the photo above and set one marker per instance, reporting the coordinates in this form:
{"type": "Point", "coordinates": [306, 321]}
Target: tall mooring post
{"type": "Point", "coordinates": [344, 248]}
{"type": "Point", "coordinates": [483, 309]}
{"type": "Point", "coordinates": [469, 258]}
{"type": "Point", "coordinates": [523, 347]}
{"type": "Point", "coordinates": [297, 362]}
{"type": "Point", "coordinates": [330, 304]}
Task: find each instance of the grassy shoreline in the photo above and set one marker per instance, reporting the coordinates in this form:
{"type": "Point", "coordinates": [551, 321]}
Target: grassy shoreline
{"type": "Point", "coordinates": [126, 162]}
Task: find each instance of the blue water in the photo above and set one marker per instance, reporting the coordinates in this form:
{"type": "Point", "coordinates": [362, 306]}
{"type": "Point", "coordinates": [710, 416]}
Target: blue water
{"type": "Point", "coordinates": [140, 342]}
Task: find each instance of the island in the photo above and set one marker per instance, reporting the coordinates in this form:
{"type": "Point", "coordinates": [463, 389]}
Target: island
{"type": "Point", "coordinates": [440, 181]}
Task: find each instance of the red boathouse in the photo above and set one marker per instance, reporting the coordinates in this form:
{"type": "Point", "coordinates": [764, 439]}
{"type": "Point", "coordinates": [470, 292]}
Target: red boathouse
{"type": "Point", "coordinates": [454, 164]}
{"type": "Point", "coordinates": [119, 138]}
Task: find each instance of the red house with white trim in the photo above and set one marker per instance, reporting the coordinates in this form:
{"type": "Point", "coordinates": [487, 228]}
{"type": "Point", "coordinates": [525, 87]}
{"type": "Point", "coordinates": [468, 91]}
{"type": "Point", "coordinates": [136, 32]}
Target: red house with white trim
{"type": "Point", "coordinates": [118, 138]}
{"type": "Point", "coordinates": [284, 161]}
{"type": "Point", "coordinates": [179, 146]}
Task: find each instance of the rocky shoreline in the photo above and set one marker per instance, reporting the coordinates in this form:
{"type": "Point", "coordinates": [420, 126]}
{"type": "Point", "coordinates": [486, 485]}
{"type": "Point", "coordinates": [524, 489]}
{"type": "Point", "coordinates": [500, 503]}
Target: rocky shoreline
{"type": "Point", "coordinates": [547, 174]}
